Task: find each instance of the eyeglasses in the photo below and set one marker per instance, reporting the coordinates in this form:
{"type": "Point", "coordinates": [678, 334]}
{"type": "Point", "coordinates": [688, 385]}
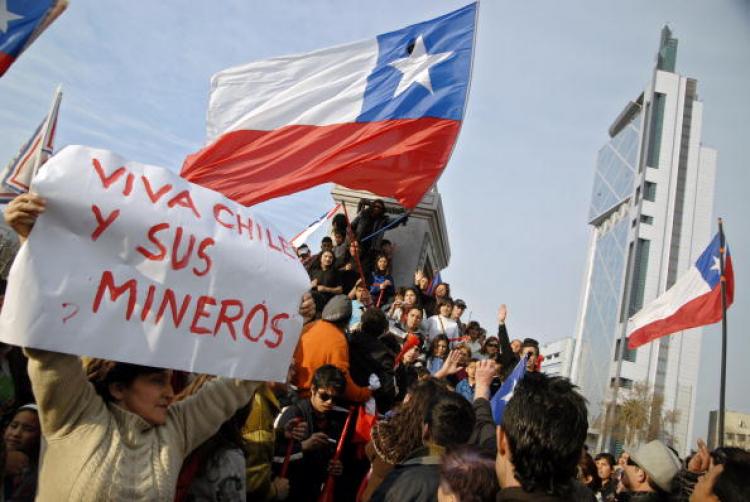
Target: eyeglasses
{"type": "Point", "coordinates": [326, 397]}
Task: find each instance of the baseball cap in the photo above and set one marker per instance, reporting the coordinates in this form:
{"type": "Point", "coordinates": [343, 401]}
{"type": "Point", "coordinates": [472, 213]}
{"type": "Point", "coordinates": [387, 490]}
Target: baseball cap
{"type": "Point", "coordinates": [659, 462]}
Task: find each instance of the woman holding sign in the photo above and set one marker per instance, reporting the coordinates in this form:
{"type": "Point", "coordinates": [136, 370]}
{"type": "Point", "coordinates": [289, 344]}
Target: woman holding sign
{"type": "Point", "coordinates": [117, 435]}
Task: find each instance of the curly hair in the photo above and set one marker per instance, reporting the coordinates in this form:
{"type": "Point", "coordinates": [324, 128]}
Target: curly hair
{"type": "Point", "coordinates": [102, 373]}
{"type": "Point", "coordinates": [396, 438]}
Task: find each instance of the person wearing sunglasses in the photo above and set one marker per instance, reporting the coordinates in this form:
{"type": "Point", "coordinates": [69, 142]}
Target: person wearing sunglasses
{"type": "Point", "coordinates": [490, 349]}
{"type": "Point", "coordinates": [319, 423]}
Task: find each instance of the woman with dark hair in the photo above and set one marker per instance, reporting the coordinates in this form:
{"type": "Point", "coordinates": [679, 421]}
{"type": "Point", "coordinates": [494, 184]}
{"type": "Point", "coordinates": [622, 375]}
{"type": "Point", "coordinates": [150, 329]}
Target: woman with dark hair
{"type": "Point", "coordinates": [22, 438]}
{"type": "Point", "coordinates": [467, 475]}
{"type": "Point", "coordinates": [393, 440]}
{"type": "Point", "coordinates": [215, 471]}
{"type": "Point", "coordinates": [438, 352]}
{"type": "Point", "coordinates": [442, 324]}
{"type": "Point", "coordinates": [588, 476]}
{"type": "Point", "coordinates": [326, 280]}
{"type": "Point", "coordinates": [490, 348]}
{"type": "Point", "coordinates": [381, 282]}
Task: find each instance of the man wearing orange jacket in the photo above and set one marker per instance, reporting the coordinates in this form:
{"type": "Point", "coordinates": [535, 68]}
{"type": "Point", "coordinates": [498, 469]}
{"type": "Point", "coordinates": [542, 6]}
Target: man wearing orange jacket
{"type": "Point", "coordinates": [323, 342]}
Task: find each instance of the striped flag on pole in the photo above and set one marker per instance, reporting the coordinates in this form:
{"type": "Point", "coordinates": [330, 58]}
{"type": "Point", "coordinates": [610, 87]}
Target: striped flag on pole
{"type": "Point", "coordinates": [17, 175]}
{"type": "Point", "coordinates": [302, 237]}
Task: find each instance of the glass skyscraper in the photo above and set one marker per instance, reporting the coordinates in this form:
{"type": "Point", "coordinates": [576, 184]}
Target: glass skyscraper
{"type": "Point", "coordinates": [650, 218]}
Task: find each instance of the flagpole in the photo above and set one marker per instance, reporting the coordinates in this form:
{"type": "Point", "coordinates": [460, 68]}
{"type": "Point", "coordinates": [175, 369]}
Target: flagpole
{"type": "Point", "coordinates": [350, 231]}
{"type": "Point", "coordinates": [722, 393]}
{"type": "Point", "coordinates": [49, 131]}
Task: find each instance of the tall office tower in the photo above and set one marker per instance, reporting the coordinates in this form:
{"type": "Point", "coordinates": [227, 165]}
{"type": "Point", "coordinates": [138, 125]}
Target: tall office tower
{"type": "Point", "coordinates": [650, 219]}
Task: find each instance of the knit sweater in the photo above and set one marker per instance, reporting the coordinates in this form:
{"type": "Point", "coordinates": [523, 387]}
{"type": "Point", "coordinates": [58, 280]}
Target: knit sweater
{"type": "Point", "coordinates": [101, 452]}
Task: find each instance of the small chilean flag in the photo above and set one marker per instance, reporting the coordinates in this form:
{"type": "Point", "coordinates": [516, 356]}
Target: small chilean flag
{"type": "Point", "coordinates": [302, 237]}
{"type": "Point", "coordinates": [694, 300]}
{"type": "Point", "coordinates": [381, 115]}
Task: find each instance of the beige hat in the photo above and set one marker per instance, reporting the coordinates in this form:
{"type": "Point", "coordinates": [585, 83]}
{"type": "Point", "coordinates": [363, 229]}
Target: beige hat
{"type": "Point", "coordinates": [659, 462]}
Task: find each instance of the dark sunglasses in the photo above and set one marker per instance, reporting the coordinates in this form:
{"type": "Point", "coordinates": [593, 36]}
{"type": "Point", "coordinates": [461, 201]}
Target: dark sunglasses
{"type": "Point", "coordinates": [492, 345]}
{"type": "Point", "coordinates": [326, 397]}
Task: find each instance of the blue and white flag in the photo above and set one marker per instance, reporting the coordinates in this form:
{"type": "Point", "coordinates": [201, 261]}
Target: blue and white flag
{"type": "Point", "coordinates": [502, 396]}
{"type": "Point", "coordinates": [302, 237]}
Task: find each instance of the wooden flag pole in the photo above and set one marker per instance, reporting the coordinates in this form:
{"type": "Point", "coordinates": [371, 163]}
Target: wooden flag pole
{"type": "Point", "coordinates": [349, 230]}
{"type": "Point", "coordinates": [722, 393]}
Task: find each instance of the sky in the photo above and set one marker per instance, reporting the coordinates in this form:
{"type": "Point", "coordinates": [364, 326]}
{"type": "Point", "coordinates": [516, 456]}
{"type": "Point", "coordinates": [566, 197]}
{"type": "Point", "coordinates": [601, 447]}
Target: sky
{"type": "Point", "coordinates": [549, 78]}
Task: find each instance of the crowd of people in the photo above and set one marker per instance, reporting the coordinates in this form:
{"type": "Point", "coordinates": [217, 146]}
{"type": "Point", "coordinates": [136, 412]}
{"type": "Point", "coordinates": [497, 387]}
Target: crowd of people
{"type": "Point", "coordinates": [388, 398]}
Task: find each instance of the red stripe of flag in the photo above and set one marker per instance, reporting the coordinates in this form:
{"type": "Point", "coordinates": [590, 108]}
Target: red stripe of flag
{"type": "Point", "coordinates": [401, 158]}
{"type": "Point", "coordinates": [702, 310]}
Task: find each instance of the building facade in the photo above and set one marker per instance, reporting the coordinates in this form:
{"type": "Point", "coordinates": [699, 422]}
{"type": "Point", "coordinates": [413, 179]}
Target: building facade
{"type": "Point", "coordinates": [736, 429]}
{"type": "Point", "coordinates": [650, 218]}
{"type": "Point", "coordinates": [558, 357]}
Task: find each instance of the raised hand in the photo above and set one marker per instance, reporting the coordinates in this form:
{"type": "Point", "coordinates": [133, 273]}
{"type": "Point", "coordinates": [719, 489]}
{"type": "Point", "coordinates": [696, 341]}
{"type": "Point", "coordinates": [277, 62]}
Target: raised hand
{"type": "Point", "coordinates": [451, 366]}
{"type": "Point", "coordinates": [701, 460]}
{"type": "Point", "coordinates": [486, 371]}
{"type": "Point", "coordinates": [502, 314]}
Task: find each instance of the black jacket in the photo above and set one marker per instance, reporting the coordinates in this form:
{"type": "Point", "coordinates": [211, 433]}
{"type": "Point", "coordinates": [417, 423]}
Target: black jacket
{"type": "Point", "coordinates": [506, 358]}
{"type": "Point", "coordinates": [414, 480]}
{"type": "Point", "coordinates": [307, 471]}
{"type": "Point", "coordinates": [484, 434]}
{"type": "Point", "coordinates": [368, 355]}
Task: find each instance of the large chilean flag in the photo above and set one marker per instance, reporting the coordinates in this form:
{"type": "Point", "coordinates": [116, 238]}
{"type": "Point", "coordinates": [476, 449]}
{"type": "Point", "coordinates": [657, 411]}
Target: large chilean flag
{"type": "Point", "coordinates": [379, 115]}
{"type": "Point", "coordinates": [694, 300]}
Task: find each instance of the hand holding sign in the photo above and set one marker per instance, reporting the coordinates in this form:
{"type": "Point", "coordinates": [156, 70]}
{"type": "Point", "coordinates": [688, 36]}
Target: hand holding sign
{"type": "Point", "coordinates": [22, 212]}
{"type": "Point", "coordinates": [164, 273]}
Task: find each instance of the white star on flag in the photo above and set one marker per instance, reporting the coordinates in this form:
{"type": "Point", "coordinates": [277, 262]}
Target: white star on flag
{"type": "Point", "coordinates": [416, 67]}
{"type": "Point", "coordinates": [6, 16]}
{"type": "Point", "coordinates": [717, 265]}
{"type": "Point", "coordinates": [509, 395]}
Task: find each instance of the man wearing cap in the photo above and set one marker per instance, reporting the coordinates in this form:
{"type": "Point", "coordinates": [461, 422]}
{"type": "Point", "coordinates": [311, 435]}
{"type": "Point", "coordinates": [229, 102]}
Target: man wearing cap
{"type": "Point", "coordinates": [459, 307]}
{"type": "Point", "coordinates": [323, 342]}
{"type": "Point", "coordinates": [649, 472]}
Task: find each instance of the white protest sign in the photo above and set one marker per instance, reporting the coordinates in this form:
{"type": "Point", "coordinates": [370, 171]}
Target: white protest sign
{"type": "Point", "coordinates": [132, 263]}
